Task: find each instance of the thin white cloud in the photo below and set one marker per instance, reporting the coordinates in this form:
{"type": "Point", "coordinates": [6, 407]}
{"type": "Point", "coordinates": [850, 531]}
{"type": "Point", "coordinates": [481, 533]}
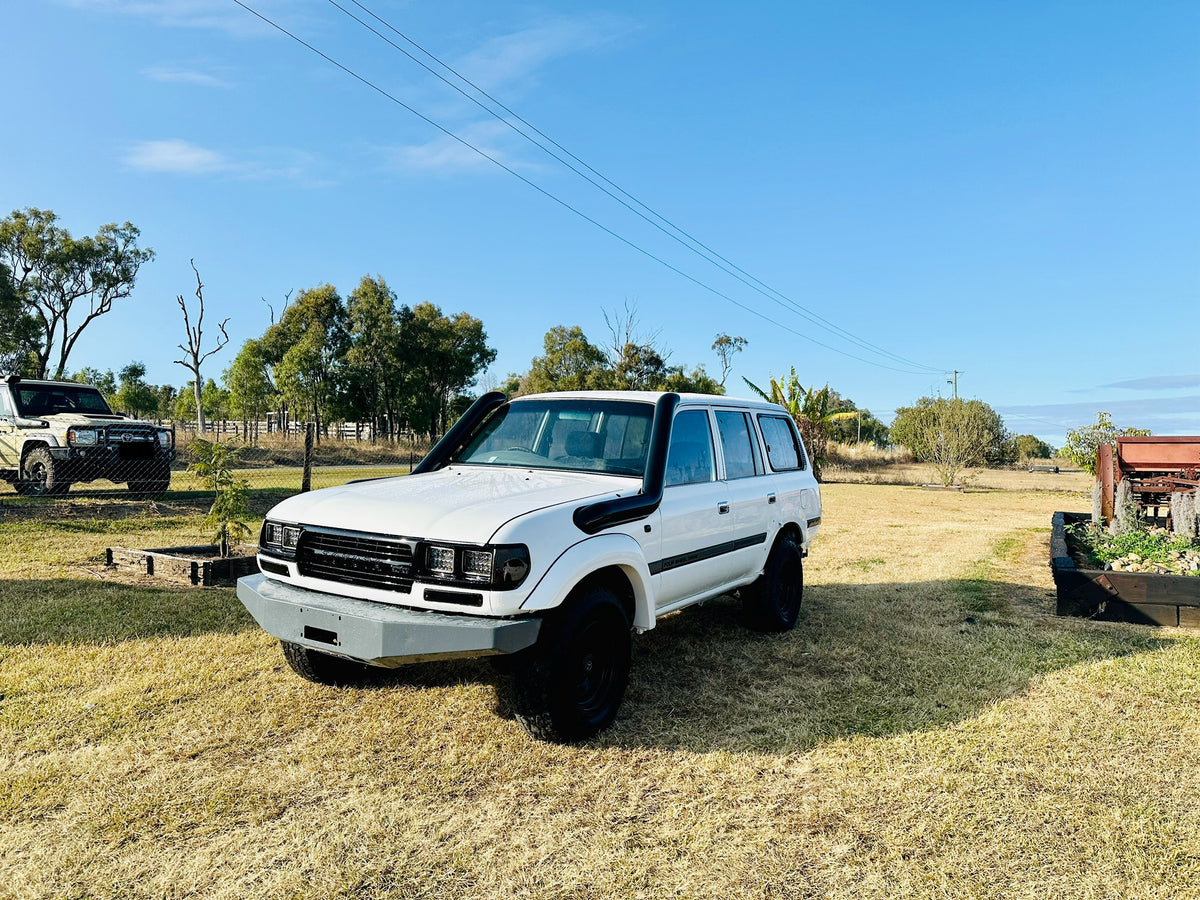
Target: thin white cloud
{"type": "Point", "coordinates": [1158, 383]}
{"type": "Point", "coordinates": [176, 157]}
{"type": "Point", "coordinates": [1162, 415]}
{"type": "Point", "coordinates": [517, 56]}
{"type": "Point", "coordinates": [220, 15]}
{"type": "Point", "coordinates": [185, 76]}
{"type": "Point", "coordinates": [446, 155]}
{"type": "Point", "coordinates": [179, 157]}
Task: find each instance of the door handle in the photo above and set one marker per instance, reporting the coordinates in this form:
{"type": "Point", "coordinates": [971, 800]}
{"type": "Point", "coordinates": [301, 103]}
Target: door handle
{"type": "Point", "coordinates": [722, 507]}
{"type": "Point", "coordinates": [771, 497]}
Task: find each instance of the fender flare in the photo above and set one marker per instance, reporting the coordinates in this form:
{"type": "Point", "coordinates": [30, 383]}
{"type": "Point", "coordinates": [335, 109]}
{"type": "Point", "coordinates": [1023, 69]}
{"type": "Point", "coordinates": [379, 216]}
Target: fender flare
{"type": "Point", "coordinates": [590, 555]}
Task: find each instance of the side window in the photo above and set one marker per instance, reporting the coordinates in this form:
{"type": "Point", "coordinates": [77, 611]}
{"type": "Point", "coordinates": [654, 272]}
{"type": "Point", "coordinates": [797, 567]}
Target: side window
{"type": "Point", "coordinates": [736, 443]}
{"type": "Point", "coordinates": [783, 446]}
{"type": "Point", "coordinates": [690, 457]}
{"type": "Point", "coordinates": [6, 410]}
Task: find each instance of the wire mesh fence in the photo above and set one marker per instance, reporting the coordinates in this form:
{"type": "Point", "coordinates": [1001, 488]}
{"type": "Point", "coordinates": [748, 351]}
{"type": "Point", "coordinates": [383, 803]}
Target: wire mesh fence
{"type": "Point", "coordinates": [273, 461]}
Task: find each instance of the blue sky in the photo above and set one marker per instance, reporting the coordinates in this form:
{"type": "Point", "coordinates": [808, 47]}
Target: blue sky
{"type": "Point", "coordinates": [1009, 190]}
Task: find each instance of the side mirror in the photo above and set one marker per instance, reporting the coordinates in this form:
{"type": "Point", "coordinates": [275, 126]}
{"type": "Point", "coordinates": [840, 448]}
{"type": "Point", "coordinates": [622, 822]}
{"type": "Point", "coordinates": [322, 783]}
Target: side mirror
{"type": "Point", "coordinates": [22, 422]}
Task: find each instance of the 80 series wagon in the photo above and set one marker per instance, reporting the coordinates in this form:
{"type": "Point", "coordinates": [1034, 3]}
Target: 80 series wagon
{"type": "Point", "coordinates": [548, 528]}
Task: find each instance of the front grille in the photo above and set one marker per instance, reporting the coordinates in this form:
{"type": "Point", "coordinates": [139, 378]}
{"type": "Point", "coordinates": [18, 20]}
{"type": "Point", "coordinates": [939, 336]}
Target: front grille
{"type": "Point", "coordinates": [132, 443]}
{"type": "Point", "coordinates": [353, 558]}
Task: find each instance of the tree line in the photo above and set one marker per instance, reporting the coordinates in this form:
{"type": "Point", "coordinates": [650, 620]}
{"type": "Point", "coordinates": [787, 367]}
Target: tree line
{"type": "Point", "coordinates": [407, 369]}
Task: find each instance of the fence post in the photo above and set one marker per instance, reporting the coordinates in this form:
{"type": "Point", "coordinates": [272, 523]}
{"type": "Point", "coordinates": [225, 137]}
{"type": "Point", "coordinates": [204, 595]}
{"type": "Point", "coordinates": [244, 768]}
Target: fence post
{"type": "Point", "coordinates": [306, 483]}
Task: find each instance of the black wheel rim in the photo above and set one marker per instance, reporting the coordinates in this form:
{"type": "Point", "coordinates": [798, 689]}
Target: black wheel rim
{"type": "Point", "coordinates": [38, 476]}
{"type": "Point", "coordinates": [598, 666]}
{"type": "Point", "coordinates": [789, 590]}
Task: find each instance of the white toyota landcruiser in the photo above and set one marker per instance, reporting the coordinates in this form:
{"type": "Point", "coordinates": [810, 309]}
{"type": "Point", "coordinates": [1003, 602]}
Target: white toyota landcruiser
{"type": "Point", "coordinates": [548, 527]}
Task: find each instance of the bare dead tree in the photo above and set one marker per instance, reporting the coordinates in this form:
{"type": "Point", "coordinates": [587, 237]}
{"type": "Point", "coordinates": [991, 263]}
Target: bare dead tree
{"type": "Point", "coordinates": [287, 298]}
{"type": "Point", "coordinates": [195, 343]}
{"type": "Point", "coordinates": [624, 333]}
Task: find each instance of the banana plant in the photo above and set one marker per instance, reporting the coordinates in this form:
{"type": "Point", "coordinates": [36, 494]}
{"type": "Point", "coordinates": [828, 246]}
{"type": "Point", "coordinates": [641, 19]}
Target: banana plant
{"type": "Point", "coordinates": [811, 409]}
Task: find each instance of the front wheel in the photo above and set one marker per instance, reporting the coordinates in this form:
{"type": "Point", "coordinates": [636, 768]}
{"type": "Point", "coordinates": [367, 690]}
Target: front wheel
{"type": "Point", "coordinates": [323, 668]}
{"type": "Point", "coordinates": [41, 475]}
{"type": "Point", "coordinates": [571, 684]}
{"type": "Point", "coordinates": [772, 603]}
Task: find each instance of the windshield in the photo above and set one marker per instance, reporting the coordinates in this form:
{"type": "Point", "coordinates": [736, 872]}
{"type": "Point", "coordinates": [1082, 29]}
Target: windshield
{"type": "Point", "coordinates": [36, 400]}
{"type": "Point", "coordinates": [609, 436]}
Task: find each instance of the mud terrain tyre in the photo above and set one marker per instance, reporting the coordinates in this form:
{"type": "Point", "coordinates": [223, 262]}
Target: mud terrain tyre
{"type": "Point", "coordinates": [41, 475]}
{"type": "Point", "coordinates": [569, 685]}
{"type": "Point", "coordinates": [772, 603]}
{"type": "Point", "coordinates": [321, 668]}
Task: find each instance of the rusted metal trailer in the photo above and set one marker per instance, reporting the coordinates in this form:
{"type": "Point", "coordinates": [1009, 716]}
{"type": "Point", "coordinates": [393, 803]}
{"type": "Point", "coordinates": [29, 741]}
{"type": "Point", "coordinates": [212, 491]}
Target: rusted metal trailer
{"type": "Point", "coordinates": [1155, 467]}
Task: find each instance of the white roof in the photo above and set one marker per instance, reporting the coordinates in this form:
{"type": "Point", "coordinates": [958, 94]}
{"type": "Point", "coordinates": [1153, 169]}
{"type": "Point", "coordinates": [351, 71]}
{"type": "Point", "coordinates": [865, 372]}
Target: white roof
{"type": "Point", "coordinates": [652, 396]}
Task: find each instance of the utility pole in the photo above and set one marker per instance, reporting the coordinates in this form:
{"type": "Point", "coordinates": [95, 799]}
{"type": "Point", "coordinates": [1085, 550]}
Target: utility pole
{"type": "Point", "coordinates": [954, 381]}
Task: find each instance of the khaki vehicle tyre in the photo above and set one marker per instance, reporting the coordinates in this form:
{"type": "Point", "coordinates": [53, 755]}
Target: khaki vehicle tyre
{"type": "Point", "coordinates": [568, 687]}
{"type": "Point", "coordinates": [322, 668]}
{"type": "Point", "coordinates": [772, 603]}
{"type": "Point", "coordinates": [39, 475]}
{"type": "Point", "coordinates": [157, 481]}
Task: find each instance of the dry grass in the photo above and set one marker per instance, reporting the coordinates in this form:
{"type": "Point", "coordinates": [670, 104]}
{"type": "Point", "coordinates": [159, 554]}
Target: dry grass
{"type": "Point", "coordinates": [912, 473]}
{"type": "Point", "coordinates": [929, 730]}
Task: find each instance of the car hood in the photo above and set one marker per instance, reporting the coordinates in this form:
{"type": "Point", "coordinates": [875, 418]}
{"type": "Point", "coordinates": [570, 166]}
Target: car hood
{"type": "Point", "coordinates": [465, 504]}
{"type": "Point", "coordinates": [64, 420]}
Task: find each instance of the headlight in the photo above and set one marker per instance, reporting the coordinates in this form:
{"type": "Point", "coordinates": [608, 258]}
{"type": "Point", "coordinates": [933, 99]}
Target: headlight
{"type": "Point", "coordinates": [441, 560]}
{"type": "Point", "coordinates": [83, 437]}
{"type": "Point", "coordinates": [164, 439]}
{"type": "Point", "coordinates": [477, 564]}
{"type": "Point", "coordinates": [277, 536]}
{"type": "Point", "coordinates": [501, 568]}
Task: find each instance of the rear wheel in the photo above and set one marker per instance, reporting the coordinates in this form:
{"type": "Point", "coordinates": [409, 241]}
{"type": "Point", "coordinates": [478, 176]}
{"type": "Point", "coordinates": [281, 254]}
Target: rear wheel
{"type": "Point", "coordinates": [569, 686]}
{"type": "Point", "coordinates": [772, 603]}
{"type": "Point", "coordinates": [322, 668]}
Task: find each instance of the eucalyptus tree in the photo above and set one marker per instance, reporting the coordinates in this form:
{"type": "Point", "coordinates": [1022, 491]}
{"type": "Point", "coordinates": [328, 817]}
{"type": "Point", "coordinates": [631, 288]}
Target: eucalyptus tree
{"type": "Point", "coordinates": [66, 283]}
{"type": "Point", "coordinates": [306, 350]}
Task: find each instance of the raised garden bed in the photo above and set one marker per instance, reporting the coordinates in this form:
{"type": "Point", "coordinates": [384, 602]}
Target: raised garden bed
{"type": "Point", "coordinates": [201, 565]}
{"type": "Point", "coordinates": [1142, 597]}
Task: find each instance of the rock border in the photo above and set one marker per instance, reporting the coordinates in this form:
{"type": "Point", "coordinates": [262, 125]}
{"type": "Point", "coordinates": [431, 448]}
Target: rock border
{"type": "Point", "coordinates": [1144, 598]}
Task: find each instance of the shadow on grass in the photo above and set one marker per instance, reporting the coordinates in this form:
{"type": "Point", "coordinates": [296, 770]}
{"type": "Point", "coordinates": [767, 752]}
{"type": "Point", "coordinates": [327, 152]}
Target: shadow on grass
{"type": "Point", "coordinates": [871, 660]}
{"type": "Point", "coordinates": [71, 611]}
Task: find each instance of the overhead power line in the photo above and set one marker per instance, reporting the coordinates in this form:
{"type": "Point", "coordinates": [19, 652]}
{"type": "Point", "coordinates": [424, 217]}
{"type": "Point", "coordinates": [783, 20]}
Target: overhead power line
{"type": "Point", "coordinates": [549, 146]}
{"type": "Point", "coordinates": [546, 193]}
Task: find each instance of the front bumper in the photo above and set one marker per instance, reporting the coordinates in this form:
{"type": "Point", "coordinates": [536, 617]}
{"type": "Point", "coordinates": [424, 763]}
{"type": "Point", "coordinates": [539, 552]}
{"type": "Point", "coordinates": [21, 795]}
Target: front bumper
{"type": "Point", "coordinates": [376, 633]}
{"type": "Point", "coordinates": [87, 463]}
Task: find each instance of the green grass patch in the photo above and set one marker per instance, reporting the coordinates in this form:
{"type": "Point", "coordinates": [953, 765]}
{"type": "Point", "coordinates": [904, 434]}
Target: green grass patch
{"type": "Point", "coordinates": [896, 744]}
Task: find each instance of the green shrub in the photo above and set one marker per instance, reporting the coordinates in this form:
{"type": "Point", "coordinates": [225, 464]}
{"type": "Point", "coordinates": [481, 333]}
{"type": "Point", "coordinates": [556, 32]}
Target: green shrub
{"type": "Point", "coordinates": [213, 462]}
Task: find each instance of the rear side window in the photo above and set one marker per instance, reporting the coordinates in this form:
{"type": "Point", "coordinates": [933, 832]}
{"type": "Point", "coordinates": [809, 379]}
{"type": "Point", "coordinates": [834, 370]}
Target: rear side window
{"type": "Point", "coordinates": [736, 443]}
{"type": "Point", "coordinates": [690, 458]}
{"type": "Point", "coordinates": [783, 445]}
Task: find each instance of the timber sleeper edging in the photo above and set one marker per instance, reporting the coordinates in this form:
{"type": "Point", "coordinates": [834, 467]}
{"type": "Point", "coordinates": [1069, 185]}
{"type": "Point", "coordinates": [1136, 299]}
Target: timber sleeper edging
{"type": "Point", "coordinates": [1145, 598]}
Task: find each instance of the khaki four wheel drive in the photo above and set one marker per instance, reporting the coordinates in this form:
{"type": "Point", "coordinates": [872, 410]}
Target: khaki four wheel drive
{"type": "Point", "coordinates": [55, 433]}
